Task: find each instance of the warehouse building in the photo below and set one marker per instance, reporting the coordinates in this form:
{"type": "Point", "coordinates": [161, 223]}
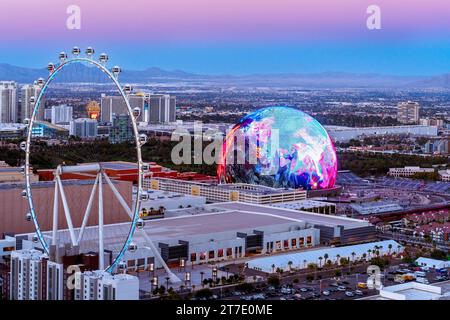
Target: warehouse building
{"type": "Point", "coordinates": [242, 192]}
{"type": "Point", "coordinates": [225, 231]}
{"type": "Point", "coordinates": [301, 260]}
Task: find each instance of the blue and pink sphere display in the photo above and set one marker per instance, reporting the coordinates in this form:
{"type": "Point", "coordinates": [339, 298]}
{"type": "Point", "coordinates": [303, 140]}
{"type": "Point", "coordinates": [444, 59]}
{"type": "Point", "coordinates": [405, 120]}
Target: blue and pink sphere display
{"type": "Point", "coordinates": [279, 147]}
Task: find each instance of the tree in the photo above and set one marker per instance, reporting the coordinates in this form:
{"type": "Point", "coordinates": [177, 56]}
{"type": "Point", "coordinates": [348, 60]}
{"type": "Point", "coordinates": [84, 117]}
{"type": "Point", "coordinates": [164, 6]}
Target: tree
{"type": "Point", "coordinates": [390, 247]}
{"type": "Point", "coordinates": [320, 262]}
{"type": "Point", "coordinates": [325, 256]}
{"type": "Point", "coordinates": [273, 281]}
{"type": "Point", "coordinates": [290, 266]}
{"type": "Point", "coordinates": [245, 287]}
{"type": "Point", "coordinates": [438, 254]}
{"type": "Point", "coordinates": [203, 293]}
{"type": "Point", "coordinates": [202, 274]}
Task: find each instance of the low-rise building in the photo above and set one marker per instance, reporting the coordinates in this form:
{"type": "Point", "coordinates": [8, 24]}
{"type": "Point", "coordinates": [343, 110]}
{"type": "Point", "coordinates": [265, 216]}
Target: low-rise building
{"type": "Point", "coordinates": [309, 205]}
{"type": "Point", "coordinates": [408, 171]}
{"type": "Point", "coordinates": [225, 232]}
{"type": "Point", "coordinates": [413, 291]}
{"type": "Point", "coordinates": [248, 193]}
{"type": "Point", "coordinates": [319, 257]}
{"type": "Point", "coordinates": [444, 175]}
{"type": "Point", "coordinates": [432, 263]}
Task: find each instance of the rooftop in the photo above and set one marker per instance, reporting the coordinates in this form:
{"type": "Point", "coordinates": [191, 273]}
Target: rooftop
{"type": "Point", "coordinates": [302, 204]}
{"type": "Point", "coordinates": [414, 291]}
{"type": "Point", "coordinates": [309, 217]}
{"type": "Point", "coordinates": [312, 256]}
{"type": "Point", "coordinates": [178, 228]}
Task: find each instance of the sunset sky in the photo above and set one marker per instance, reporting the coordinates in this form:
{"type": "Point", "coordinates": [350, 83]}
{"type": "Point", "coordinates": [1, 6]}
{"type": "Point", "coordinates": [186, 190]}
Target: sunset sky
{"type": "Point", "coordinates": [235, 36]}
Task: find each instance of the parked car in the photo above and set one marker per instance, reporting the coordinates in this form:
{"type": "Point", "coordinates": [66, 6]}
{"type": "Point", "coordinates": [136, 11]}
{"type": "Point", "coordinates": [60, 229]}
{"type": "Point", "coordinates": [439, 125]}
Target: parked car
{"type": "Point", "coordinates": [342, 288]}
{"type": "Point", "coordinates": [359, 292]}
{"type": "Point", "coordinates": [422, 280]}
{"type": "Point", "coordinates": [326, 293]}
{"type": "Point", "coordinates": [303, 289]}
{"type": "Point", "coordinates": [349, 294]}
{"type": "Point", "coordinates": [362, 285]}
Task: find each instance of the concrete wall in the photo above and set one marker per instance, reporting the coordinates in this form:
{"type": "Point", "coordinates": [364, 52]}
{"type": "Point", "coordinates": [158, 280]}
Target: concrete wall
{"type": "Point", "coordinates": [13, 207]}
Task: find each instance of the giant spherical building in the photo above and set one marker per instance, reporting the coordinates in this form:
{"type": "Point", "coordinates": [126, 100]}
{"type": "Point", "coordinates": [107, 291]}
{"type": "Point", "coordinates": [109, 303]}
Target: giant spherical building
{"type": "Point", "coordinates": [279, 147]}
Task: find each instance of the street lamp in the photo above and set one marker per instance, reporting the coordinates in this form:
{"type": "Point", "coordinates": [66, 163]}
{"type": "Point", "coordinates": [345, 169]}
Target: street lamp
{"type": "Point", "coordinates": [187, 278]}
{"type": "Point", "coordinates": [182, 264]}
{"type": "Point", "coordinates": [151, 268]}
{"type": "Point", "coordinates": [214, 274]}
{"type": "Point", "coordinates": [167, 283]}
{"type": "Point", "coordinates": [154, 283]}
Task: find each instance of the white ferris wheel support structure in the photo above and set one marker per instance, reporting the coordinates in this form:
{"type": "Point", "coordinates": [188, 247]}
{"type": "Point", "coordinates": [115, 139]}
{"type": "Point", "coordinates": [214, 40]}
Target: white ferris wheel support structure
{"type": "Point", "coordinates": [136, 222]}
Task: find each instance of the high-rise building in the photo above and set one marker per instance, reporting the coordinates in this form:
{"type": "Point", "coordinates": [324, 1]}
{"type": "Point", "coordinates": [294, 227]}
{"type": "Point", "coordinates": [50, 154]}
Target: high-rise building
{"type": "Point", "coordinates": [48, 114]}
{"type": "Point", "coordinates": [27, 276]}
{"type": "Point", "coordinates": [161, 108]}
{"type": "Point", "coordinates": [110, 105]}
{"type": "Point", "coordinates": [121, 129]}
{"type": "Point", "coordinates": [55, 281]}
{"type": "Point", "coordinates": [101, 285]}
{"type": "Point", "coordinates": [26, 109]}
{"type": "Point", "coordinates": [8, 102]}
{"type": "Point", "coordinates": [408, 112]}
{"type": "Point", "coordinates": [84, 128]}
{"type": "Point", "coordinates": [154, 108]}
{"type": "Point", "coordinates": [61, 114]}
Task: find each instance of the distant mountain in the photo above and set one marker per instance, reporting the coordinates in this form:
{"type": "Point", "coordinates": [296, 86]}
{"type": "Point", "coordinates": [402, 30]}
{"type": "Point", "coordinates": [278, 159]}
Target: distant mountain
{"type": "Point", "coordinates": [441, 81]}
{"type": "Point", "coordinates": [84, 73]}
{"type": "Point", "coordinates": [20, 74]}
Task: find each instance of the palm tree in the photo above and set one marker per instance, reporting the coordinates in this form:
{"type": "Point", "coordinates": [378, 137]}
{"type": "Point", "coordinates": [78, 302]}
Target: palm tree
{"type": "Point", "coordinates": [202, 274]}
{"type": "Point", "coordinates": [320, 262]}
{"type": "Point", "coordinates": [353, 256]}
{"type": "Point", "coordinates": [304, 263]}
{"type": "Point", "coordinates": [325, 256]}
{"type": "Point", "coordinates": [337, 258]}
{"type": "Point", "coordinates": [390, 248]}
{"type": "Point", "coordinates": [273, 268]}
{"type": "Point", "coordinates": [290, 265]}
{"type": "Point", "coordinates": [369, 252]}
{"type": "Point", "coordinates": [167, 282]}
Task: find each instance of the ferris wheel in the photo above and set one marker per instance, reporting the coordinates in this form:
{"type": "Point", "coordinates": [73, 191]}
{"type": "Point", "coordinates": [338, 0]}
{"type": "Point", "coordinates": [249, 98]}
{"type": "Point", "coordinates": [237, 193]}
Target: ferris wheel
{"type": "Point", "coordinates": [76, 234]}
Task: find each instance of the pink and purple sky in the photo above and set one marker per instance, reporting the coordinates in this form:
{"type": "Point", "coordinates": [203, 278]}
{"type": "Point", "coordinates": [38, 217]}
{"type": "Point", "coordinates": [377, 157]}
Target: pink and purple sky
{"type": "Point", "coordinates": [235, 36]}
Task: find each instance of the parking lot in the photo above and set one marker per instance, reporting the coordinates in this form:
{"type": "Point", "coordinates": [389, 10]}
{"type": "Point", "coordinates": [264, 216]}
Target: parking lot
{"type": "Point", "coordinates": [343, 288]}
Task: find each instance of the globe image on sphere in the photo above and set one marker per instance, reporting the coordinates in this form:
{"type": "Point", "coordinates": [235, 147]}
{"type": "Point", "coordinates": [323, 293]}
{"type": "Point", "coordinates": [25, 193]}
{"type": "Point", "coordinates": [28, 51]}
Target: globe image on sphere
{"type": "Point", "coordinates": [279, 147]}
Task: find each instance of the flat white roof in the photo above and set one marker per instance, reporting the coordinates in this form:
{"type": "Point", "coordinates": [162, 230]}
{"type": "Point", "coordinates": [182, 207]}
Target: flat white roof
{"type": "Point", "coordinates": [308, 217]}
{"type": "Point", "coordinates": [312, 256]}
{"type": "Point", "coordinates": [432, 262]}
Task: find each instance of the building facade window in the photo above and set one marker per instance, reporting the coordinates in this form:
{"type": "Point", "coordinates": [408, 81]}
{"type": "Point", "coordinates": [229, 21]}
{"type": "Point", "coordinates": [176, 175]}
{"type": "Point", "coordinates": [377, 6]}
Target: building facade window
{"type": "Point", "coordinates": [294, 243]}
